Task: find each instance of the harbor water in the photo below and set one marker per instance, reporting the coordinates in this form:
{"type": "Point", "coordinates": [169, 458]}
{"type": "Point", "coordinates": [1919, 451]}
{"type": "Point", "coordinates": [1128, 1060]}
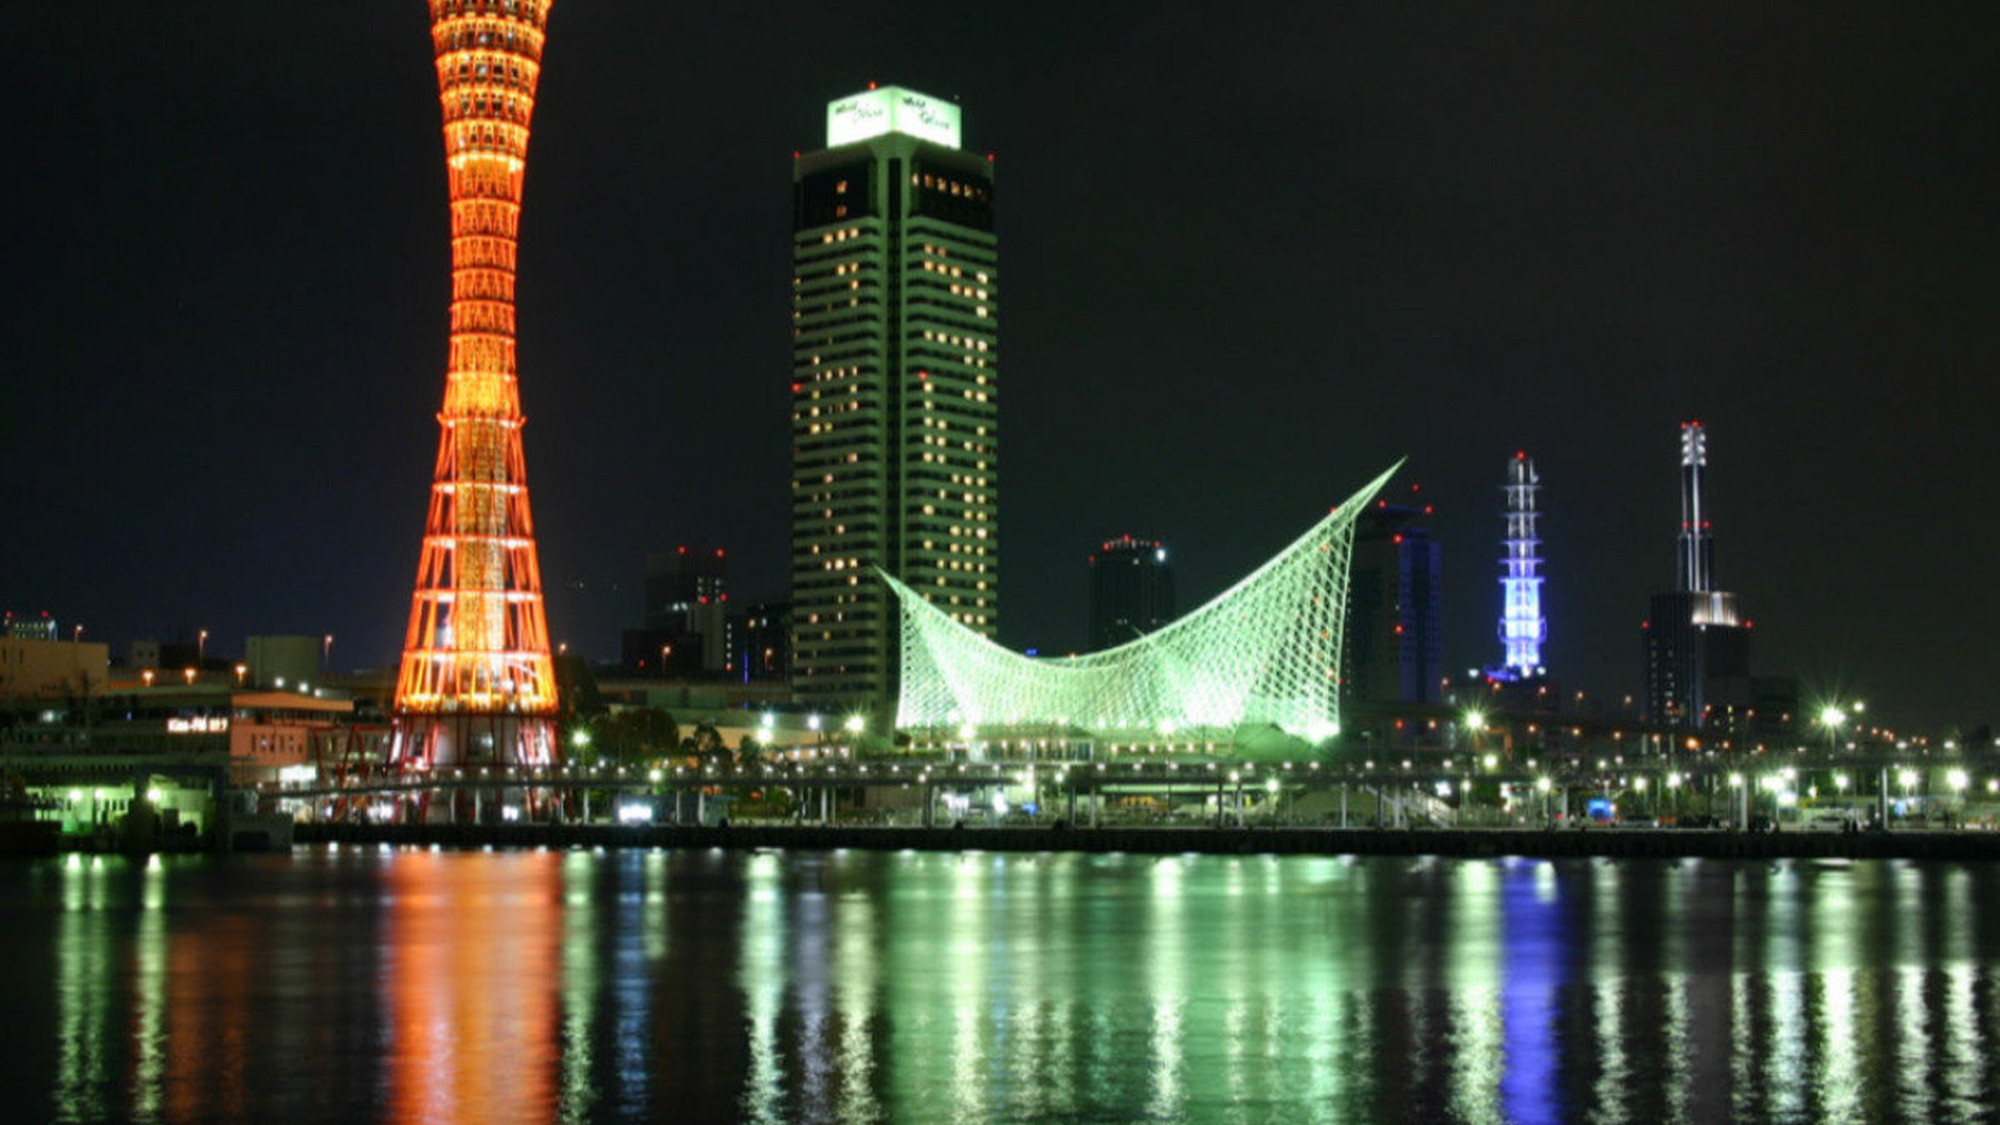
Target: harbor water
{"type": "Point", "coordinates": [403, 984]}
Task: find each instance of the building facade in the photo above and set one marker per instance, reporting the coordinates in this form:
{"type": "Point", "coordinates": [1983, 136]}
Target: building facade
{"type": "Point", "coordinates": [762, 635]}
{"type": "Point", "coordinates": [1131, 591]}
{"type": "Point", "coordinates": [895, 396]}
{"type": "Point", "coordinates": [34, 669]}
{"type": "Point", "coordinates": [1394, 650]}
{"type": "Point", "coordinates": [687, 622]}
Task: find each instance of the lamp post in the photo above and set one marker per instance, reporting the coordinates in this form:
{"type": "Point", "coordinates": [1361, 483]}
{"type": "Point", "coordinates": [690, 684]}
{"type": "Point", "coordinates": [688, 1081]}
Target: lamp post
{"type": "Point", "coordinates": [200, 647]}
{"type": "Point", "coordinates": [325, 654]}
{"type": "Point", "coordinates": [666, 654]}
{"type": "Point", "coordinates": [1475, 725]}
{"type": "Point", "coordinates": [1830, 718]}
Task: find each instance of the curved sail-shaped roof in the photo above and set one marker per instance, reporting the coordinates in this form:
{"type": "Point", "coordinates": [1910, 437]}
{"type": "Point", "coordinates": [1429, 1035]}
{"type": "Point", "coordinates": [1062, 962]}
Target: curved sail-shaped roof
{"type": "Point", "coordinates": [1265, 651]}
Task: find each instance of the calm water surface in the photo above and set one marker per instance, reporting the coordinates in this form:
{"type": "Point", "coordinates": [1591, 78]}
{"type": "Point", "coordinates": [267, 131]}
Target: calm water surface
{"type": "Point", "coordinates": [366, 984]}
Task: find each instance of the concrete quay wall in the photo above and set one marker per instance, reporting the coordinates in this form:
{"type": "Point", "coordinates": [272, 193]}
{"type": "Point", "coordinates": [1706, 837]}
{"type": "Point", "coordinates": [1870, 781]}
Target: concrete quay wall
{"type": "Point", "coordinates": [1614, 843]}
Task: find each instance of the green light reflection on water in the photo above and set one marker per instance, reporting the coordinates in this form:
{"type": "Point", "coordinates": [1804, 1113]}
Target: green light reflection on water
{"type": "Point", "coordinates": [149, 988]}
{"type": "Point", "coordinates": [1472, 980]}
{"type": "Point", "coordinates": [857, 985]}
{"type": "Point", "coordinates": [866, 988]}
{"type": "Point", "coordinates": [577, 1093]}
{"type": "Point", "coordinates": [762, 978]}
{"type": "Point", "coordinates": [1165, 957]}
{"type": "Point", "coordinates": [83, 986]}
{"type": "Point", "coordinates": [1833, 913]}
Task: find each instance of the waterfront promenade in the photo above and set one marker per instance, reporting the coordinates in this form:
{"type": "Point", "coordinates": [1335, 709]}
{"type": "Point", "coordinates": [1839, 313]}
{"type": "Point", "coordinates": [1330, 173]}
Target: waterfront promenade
{"type": "Point", "coordinates": [1545, 843]}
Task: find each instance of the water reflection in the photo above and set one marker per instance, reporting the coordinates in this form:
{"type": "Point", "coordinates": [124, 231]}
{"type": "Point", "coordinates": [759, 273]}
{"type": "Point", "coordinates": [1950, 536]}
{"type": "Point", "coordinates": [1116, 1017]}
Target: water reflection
{"type": "Point", "coordinates": [413, 985]}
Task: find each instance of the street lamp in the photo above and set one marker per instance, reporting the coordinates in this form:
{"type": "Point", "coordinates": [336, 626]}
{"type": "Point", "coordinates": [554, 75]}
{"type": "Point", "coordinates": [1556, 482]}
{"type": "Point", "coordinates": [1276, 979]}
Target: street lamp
{"type": "Point", "coordinates": [326, 653]}
{"type": "Point", "coordinates": [201, 647]}
{"type": "Point", "coordinates": [666, 653]}
{"type": "Point", "coordinates": [1831, 717]}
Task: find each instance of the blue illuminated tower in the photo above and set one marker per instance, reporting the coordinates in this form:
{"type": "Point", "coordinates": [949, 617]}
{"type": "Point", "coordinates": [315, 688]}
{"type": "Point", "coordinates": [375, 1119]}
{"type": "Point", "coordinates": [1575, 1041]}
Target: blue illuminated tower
{"type": "Point", "coordinates": [1523, 629]}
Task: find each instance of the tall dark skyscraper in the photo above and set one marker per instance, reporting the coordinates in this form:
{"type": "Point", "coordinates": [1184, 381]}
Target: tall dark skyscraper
{"type": "Point", "coordinates": [1394, 651]}
{"type": "Point", "coordinates": [895, 395]}
{"type": "Point", "coordinates": [1696, 644]}
{"type": "Point", "coordinates": [1131, 590]}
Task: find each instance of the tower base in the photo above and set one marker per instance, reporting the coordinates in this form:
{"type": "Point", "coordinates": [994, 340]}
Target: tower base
{"type": "Point", "coordinates": [459, 739]}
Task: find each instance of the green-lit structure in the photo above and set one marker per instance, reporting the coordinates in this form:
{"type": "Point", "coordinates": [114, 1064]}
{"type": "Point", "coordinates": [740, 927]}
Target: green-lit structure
{"type": "Point", "coordinates": [1262, 657]}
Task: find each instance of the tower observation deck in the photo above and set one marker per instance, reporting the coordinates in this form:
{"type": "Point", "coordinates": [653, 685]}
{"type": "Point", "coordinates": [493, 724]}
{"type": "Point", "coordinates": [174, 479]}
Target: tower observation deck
{"type": "Point", "coordinates": [476, 683]}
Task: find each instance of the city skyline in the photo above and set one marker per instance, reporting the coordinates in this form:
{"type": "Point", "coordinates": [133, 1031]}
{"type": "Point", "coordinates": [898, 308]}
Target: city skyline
{"type": "Point", "coordinates": [1452, 237]}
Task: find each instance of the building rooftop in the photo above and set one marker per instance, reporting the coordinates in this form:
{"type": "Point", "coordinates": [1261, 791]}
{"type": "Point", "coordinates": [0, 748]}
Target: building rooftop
{"type": "Point", "coordinates": [891, 109]}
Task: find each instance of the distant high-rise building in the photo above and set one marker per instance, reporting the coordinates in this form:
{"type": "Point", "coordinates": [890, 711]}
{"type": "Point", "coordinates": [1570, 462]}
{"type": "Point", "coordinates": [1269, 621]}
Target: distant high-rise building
{"type": "Point", "coordinates": [895, 398]}
{"type": "Point", "coordinates": [1394, 648]}
{"type": "Point", "coordinates": [1697, 646]}
{"type": "Point", "coordinates": [39, 627]}
{"type": "Point", "coordinates": [761, 634]}
{"type": "Point", "coordinates": [681, 583]}
{"type": "Point", "coordinates": [1131, 590]}
{"type": "Point", "coordinates": [687, 620]}
{"type": "Point", "coordinates": [1523, 629]}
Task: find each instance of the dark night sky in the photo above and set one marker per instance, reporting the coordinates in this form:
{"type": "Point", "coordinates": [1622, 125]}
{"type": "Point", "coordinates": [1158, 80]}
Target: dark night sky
{"type": "Point", "coordinates": [1251, 254]}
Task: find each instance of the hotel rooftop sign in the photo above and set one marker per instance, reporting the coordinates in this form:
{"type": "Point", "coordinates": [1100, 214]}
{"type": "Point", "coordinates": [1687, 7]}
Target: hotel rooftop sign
{"type": "Point", "coordinates": [891, 109]}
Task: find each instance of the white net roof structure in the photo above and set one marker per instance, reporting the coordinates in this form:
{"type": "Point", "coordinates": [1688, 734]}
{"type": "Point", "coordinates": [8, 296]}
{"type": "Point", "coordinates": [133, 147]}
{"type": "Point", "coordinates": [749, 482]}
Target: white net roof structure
{"type": "Point", "coordinates": [1264, 652]}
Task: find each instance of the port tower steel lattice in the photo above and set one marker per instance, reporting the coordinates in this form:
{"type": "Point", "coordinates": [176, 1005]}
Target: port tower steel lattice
{"type": "Point", "coordinates": [1264, 653]}
{"type": "Point", "coordinates": [477, 683]}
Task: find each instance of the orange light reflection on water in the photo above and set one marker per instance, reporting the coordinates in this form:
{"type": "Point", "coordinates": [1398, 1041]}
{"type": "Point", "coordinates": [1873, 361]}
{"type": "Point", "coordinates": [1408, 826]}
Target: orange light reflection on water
{"type": "Point", "coordinates": [475, 940]}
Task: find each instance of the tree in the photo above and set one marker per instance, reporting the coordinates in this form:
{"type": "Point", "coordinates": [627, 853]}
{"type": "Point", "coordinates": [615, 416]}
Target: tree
{"type": "Point", "coordinates": [703, 745]}
{"type": "Point", "coordinates": [636, 737]}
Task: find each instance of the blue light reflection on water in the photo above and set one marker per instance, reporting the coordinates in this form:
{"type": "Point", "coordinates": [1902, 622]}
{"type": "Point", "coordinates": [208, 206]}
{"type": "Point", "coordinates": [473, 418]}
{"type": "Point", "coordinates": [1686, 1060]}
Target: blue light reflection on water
{"type": "Point", "coordinates": [854, 987]}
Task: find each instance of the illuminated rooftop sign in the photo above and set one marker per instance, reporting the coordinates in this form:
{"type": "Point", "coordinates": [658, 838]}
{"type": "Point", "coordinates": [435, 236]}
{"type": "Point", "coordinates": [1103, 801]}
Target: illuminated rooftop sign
{"type": "Point", "coordinates": [891, 109]}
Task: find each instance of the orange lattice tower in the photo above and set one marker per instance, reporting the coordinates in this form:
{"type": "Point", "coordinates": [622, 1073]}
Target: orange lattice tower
{"type": "Point", "coordinates": [477, 684]}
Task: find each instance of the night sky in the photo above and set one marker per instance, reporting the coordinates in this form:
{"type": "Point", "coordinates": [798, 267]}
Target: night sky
{"type": "Point", "coordinates": [1251, 255]}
